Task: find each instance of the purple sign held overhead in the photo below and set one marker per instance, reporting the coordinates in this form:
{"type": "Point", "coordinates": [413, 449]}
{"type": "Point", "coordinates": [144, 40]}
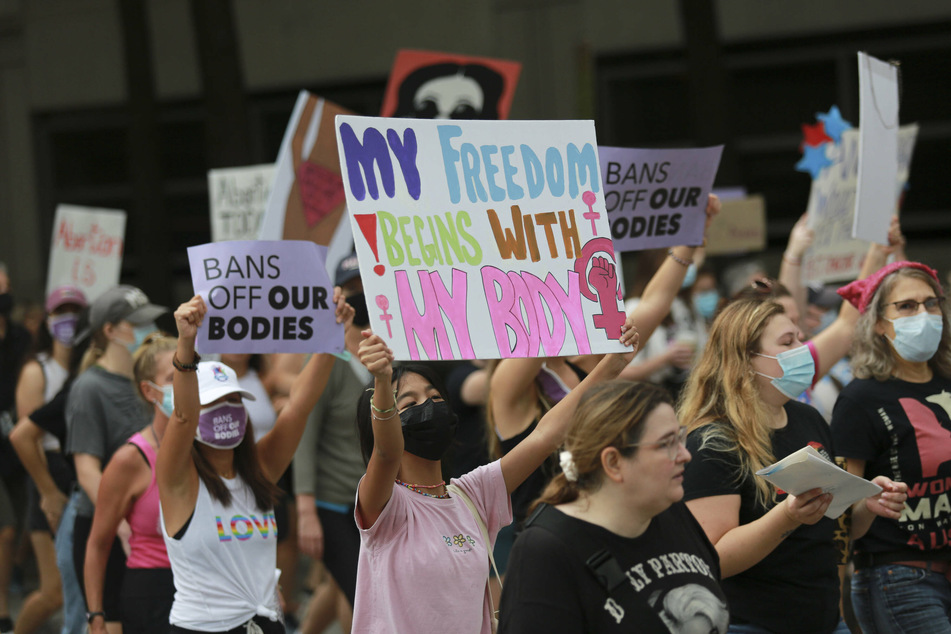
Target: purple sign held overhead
{"type": "Point", "coordinates": [265, 296]}
{"type": "Point", "coordinates": [657, 198]}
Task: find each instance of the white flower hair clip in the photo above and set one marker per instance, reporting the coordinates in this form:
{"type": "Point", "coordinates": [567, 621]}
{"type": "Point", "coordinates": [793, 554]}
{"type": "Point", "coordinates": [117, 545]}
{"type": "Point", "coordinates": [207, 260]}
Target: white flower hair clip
{"type": "Point", "coordinates": [568, 466]}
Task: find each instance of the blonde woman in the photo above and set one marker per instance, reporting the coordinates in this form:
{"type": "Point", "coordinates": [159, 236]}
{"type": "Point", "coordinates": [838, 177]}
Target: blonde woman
{"type": "Point", "coordinates": [777, 554]}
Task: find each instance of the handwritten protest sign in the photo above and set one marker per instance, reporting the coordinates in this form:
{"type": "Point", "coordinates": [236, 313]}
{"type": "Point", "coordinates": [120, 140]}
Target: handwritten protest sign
{"type": "Point", "coordinates": [265, 296]}
{"type": "Point", "coordinates": [740, 227]}
{"type": "Point", "coordinates": [86, 249]}
{"type": "Point", "coordinates": [657, 198]}
{"type": "Point", "coordinates": [878, 149]}
{"type": "Point", "coordinates": [835, 255]}
{"type": "Point", "coordinates": [431, 85]}
{"type": "Point", "coordinates": [238, 200]}
{"type": "Point", "coordinates": [481, 239]}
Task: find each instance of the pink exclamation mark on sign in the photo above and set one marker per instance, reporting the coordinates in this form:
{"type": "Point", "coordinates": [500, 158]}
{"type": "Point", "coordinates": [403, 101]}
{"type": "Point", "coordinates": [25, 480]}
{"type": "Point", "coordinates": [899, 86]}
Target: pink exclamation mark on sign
{"type": "Point", "coordinates": [384, 305]}
{"type": "Point", "coordinates": [367, 224]}
{"type": "Point", "coordinates": [589, 199]}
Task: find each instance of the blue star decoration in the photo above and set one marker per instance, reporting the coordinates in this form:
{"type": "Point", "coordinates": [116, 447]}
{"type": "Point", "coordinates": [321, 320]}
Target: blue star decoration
{"type": "Point", "coordinates": [835, 125]}
{"type": "Point", "coordinates": [814, 160]}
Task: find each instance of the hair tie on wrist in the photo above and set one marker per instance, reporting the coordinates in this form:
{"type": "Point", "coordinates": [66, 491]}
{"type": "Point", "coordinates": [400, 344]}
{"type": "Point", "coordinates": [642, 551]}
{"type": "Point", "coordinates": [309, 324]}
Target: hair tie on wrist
{"type": "Point", "coordinates": [682, 262]}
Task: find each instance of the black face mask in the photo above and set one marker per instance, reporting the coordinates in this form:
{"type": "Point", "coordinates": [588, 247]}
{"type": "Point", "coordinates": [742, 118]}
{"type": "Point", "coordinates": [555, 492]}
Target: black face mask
{"type": "Point", "coordinates": [361, 315]}
{"type": "Point", "coordinates": [6, 303]}
{"type": "Point", "coordinates": [428, 429]}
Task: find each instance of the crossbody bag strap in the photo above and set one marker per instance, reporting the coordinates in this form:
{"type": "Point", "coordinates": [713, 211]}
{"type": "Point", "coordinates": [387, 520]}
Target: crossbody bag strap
{"type": "Point", "coordinates": [458, 492]}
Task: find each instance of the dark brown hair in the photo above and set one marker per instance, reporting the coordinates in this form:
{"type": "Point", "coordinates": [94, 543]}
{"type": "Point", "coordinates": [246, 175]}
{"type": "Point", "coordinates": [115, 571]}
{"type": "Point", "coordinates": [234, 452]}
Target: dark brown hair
{"type": "Point", "coordinates": [246, 466]}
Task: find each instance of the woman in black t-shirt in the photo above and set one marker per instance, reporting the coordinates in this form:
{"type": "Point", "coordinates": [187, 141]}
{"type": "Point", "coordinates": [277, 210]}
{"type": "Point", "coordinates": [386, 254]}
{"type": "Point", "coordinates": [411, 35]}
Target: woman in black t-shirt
{"type": "Point", "coordinates": [894, 419]}
{"type": "Point", "coordinates": [611, 548]}
{"type": "Point", "coordinates": [776, 551]}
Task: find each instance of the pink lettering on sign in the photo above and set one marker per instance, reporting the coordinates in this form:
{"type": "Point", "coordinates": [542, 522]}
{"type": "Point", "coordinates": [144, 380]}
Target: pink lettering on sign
{"type": "Point", "coordinates": [589, 198]}
{"type": "Point", "coordinates": [426, 326]}
{"type": "Point", "coordinates": [95, 241]}
{"type": "Point", "coordinates": [321, 191]}
{"type": "Point", "coordinates": [518, 306]}
{"type": "Point", "coordinates": [603, 285]}
{"type": "Point", "coordinates": [384, 304]}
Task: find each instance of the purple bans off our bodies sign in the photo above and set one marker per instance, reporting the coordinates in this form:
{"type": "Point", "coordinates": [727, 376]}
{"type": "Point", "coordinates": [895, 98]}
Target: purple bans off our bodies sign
{"type": "Point", "coordinates": [265, 296]}
{"type": "Point", "coordinates": [657, 198]}
{"type": "Point", "coordinates": [481, 239]}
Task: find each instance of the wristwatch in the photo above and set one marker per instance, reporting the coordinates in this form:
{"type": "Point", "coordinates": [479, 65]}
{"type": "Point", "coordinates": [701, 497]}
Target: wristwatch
{"type": "Point", "coordinates": [91, 615]}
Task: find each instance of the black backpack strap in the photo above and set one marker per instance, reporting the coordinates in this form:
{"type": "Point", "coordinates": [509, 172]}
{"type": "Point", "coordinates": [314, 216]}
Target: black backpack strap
{"type": "Point", "coordinates": [598, 560]}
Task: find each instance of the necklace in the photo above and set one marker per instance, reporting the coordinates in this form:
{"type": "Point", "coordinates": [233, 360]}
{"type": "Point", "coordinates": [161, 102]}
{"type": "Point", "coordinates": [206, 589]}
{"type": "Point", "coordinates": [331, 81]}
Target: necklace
{"type": "Point", "coordinates": [417, 488]}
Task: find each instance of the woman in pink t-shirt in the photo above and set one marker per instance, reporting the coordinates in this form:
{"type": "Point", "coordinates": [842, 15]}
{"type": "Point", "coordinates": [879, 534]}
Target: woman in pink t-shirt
{"type": "Point", "coordinates": [128, 496]}
{"type": "Point", "coordinates": [423, 563]}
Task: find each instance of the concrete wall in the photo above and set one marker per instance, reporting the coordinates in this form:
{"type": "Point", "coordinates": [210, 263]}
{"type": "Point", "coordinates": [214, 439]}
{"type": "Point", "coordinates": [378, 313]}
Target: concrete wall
{"type": "Point", "coordinates": [58, 55]}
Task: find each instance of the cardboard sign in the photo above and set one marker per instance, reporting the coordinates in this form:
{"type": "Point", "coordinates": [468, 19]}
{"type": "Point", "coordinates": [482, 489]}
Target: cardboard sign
{"type": "Point", "coordinates": [238, 199]}
{"type": "Point", "coordinates": [657, 198]}
{"type": "Point", "coordinates": [835, 255]}
{"type": "Point", "coordinates": [878, 149]}
{"type": "Point", "coordinates": [86, 250]}
{"type": "Point", "coordinates": [265, 296]}
{"type": "Point", "coordinates": [430, 85]}
{"type": "Point", "coordinates": [482, 239]}
{"type": "Point", "coordinates": [740, 227]}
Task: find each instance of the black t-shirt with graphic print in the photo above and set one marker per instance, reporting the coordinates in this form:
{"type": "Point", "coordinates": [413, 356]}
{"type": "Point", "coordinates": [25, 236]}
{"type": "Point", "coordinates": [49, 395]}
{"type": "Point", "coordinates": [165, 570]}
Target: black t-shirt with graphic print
{"type": "Point", "coordinates": [902, 430]}
{"type": "Point", "coordinates": [672, 575]}
{"type": "Point", "coordinates": [795, 588]}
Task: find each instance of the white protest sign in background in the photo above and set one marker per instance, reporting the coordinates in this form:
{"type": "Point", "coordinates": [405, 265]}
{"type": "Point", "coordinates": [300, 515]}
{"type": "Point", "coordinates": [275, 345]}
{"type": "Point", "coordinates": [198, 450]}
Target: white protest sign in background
{"type": "Point", "coordinates": [238, 200]}
{"type": "Point", "coordinates": [265, 296]}
{"type": "Point", "coordinates": [878, 149]}
{"type": "Point", "coordinates": [835, 255]}
{"type": "Point", "coordinates": [657, 198]}
{"type": "Point", "coordinates": [481, 239]}
{"type": "Point", "coordinates": [86, 249]}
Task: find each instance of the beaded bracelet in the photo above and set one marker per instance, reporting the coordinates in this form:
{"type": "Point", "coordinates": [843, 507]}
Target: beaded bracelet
{"type": "Point", "coordinates": [682, 262]}
{"type": "Point", "coordinates": [382, 411]}
{"type": "Point", "coordinates": [186, 367]}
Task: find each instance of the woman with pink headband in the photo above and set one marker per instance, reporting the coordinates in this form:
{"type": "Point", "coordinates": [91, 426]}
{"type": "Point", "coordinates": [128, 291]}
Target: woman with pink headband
{"type": "Point", "coordinates": [894, 419]}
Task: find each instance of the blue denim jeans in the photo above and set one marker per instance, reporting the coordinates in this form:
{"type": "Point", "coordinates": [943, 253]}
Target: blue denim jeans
{"type": "Point", "coordinates": [738, 628]}
{"type": "Point", "coordinates": [895, 599]}
{"type": "Point", "coordinates": [74, 606]}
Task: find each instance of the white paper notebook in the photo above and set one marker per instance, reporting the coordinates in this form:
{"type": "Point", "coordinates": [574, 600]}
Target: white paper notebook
{"type": "Point", "coordinates": [807, 469]}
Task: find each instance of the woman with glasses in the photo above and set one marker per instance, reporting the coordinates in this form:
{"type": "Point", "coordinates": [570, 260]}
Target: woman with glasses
{"type": "Point", "coordinates": [777, 552]}
{"type": "Point", "coordinates": [610, 547]}
{"type": "Point", "coordinates": [894, 419]}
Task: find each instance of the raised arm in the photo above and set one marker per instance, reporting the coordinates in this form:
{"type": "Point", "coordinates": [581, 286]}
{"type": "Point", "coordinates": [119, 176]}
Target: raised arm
{"type": "Point", "coordinates": [376, 487]}
{"type": "Point", "coordinates": [529, 454]}
{"type": "Point", "coordinates": [512, 395]}
{"type": "Point", "coordinates": [276, 449]}
{"type": "Point", "coordinates": [660, 292]}
{"type": "Point", "coordinates": [834, 342]}
{"type": "Point", "coordinates": [175, 470]}
{"type": "Point", "coordinates": [126, 477]}
{"type": "Point", "coordinates": [743, 546]}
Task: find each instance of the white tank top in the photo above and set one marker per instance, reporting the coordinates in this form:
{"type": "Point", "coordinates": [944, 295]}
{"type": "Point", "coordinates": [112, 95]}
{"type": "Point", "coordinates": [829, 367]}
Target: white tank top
{"type": "Point", "coordinates": [55, 377]}
{"type": "Point", "coordinates": [225, 565]}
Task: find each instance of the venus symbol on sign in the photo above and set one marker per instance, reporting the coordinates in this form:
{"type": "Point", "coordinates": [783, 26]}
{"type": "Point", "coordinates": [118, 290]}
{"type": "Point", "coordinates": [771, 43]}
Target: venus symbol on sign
{"type": "Point", "coordinates": [384, 305]}
{"type": "Point", "coordinates": [589, 199]}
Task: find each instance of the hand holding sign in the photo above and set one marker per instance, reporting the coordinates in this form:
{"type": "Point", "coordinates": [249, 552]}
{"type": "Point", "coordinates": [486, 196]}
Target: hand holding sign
{"type": "Point", "coordinates": [375, 355]}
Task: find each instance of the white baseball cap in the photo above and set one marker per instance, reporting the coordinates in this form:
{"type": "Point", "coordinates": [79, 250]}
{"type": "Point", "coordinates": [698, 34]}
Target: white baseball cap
{"type": "Point", "coordinates": [215, 380]}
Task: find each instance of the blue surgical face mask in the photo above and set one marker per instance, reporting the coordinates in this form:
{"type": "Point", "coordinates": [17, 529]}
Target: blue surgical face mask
{"type": "Point", "coordinates": [168, 398]}
{"type": "Point", "coordinates": [798, 371]}
{"type": "Point", "coordinates": [706, 303]}
{"type": "Point", "coordinates": [139, 335]}
{"type": "Point", "coordinates": [690, 276]}
{"type": "Point", "coordinates": [917, 337]}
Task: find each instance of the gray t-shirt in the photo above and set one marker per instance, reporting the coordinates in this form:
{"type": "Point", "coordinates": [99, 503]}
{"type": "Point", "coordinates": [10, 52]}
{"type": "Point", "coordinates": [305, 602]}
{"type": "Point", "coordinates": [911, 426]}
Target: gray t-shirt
{"type": "Point", "coordinates": [328, 463]}
{"type": "Point", "coordinates": [102, 412]}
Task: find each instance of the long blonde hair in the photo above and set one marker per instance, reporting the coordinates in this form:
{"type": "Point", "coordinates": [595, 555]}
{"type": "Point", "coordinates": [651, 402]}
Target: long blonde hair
{"type": "Point", "coordinates": [721, 398]}
{"type": "Point", "coordinates": [875, 358]}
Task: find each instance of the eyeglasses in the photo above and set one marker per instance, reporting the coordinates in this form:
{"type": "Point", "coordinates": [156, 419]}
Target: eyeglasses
{"type": "Point", "coordinates": [908, 307]}
{"type": "Point", "coordinates": [671, 444]}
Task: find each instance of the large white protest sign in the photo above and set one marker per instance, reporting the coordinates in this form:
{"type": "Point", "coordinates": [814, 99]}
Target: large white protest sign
{"type": "Point", "coordinates": [657, 198]}
{"type": "Point", "coordinates": [265, 296]}
{"type": "Point", "coordinates": [86, 249]}
{"type": "Point", "coordinates": [238, 200]}
{"type": "Point", "coordinates": [481, 239]}
{"type": "Point", "coordinates": [878, 149]}
{"type": "Point", "coordinates": [835, 255]}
